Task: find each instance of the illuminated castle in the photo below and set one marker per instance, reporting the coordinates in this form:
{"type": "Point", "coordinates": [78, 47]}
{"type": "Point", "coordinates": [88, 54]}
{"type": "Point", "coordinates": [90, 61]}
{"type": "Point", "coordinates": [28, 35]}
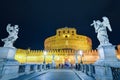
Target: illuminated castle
{"type": "Point", "coordinates": [64, 45]}
{"type": "Point", "coordinates": [67, 39]}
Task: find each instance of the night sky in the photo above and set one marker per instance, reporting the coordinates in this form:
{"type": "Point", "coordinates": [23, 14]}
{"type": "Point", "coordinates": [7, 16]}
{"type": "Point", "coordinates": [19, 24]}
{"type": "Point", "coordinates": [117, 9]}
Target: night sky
{"type": "Point", "coordinates": [39, 19]}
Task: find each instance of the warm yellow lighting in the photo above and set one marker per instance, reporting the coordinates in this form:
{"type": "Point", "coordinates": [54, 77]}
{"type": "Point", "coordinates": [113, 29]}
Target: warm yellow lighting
{"type": "Point", "coordinates": [58, 58]}
{"type": "Point", "coordinates": [80, 52]}
{"type": "Point", "coordinates": [63, 47]}
{"type": "Point", "coordinates": [45, 52]}
{"type": "Point", "coordinates": [67, 38]}
{"type": "Point", "coordinates": [69, 60]}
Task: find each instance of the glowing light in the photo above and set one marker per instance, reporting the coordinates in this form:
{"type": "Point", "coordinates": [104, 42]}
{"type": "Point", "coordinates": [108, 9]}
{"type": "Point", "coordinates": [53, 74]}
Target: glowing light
{"type": "Point", "coordinates": [58, 58]}
{"type": "Point", "coordinates": [45, 52]}
{"type": "Point", "coordinates": [80, 52]}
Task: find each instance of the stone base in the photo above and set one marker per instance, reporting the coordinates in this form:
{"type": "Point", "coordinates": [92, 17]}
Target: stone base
{"type": "Point", "coordinates": [107, 59]}
{"type": "Point", "coordinates": [8, 69]}
{"type": "Point", "coordinates": [107, 53]}
{"type": "Point", "coordinates": [7, 53]}
{"type": "Point", "coordinates": [107, 56]}
{"type": "Point", "coordinates": [107, 63]}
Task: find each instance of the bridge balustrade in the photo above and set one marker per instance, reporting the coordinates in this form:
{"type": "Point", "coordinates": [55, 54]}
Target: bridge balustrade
{"type": "Point", "coordinates": [21, 69]}
{"type": "Point", "coordinates": [88, 69]}
{"type": "Point", "coordinates": [115, 73]}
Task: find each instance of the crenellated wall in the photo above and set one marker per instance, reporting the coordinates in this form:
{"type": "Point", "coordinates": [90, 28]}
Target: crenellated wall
{"type": "Point", "coordinates": [61, 56]}
{"type": "Point", "coordinates": [37, 56]}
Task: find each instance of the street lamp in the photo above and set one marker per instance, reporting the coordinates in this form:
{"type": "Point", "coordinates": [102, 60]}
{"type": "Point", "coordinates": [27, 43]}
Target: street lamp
{"type": "Point", "coordinates": [53, 61]}
{"type": "Point", "coordinates": [44, 53]}
{"type": "Point", "coordinates": [44, 62]}
{"type": "Point", "coordinates": [81, 54]}
{"type": "Point", "coordinates": [53, 56]}
{"type": "Point", "coordinates": [76, 57]}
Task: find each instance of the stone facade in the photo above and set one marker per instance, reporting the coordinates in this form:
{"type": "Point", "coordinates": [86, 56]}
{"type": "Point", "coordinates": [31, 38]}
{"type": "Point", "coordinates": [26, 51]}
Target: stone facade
{"type": "Point", "coordinates": [67, 38]}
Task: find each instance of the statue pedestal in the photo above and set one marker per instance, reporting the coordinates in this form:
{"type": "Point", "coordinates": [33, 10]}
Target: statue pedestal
{"type": "Point", "coordinates": [107, 56]}
{"type": "Point", "coordinates": [107, 59]}
{"type": "Point", "coordinates": [9, 69]}
{"type": "Point", "coordinates": [8, 66]}
{"type": "Point", "coordinates": [107, 53]}
{"type": "Point", "coordinates": [7, 53]}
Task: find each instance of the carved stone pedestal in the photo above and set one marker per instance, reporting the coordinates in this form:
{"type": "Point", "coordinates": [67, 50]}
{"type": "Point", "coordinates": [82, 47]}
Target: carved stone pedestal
{"type": "Point", "coordinates": [8, 66]}
{"type": "Point", "coordinates": [9, 69]}
{"type": "Point", "coordinates": [107, 59]}
{"type": "Point", "coordinates": [7, 53]}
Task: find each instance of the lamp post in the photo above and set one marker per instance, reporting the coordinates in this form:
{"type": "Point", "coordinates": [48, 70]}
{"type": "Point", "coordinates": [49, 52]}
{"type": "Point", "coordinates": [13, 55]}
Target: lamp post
{"type": "Point", "coordinates": [76, 59]}
{"type": "Point", "coordinates": [53, 56]}
{"type": "Point", "coordinates": [53, 62]}
{"type": "Point", "coordinates": [44, 53]}
{"type": "Point", "coordinates": [44, 62]}
{"type": "Point", "coordinates": [81, 54]}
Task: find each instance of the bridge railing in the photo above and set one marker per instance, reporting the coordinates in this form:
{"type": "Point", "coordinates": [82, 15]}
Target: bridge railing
{"type": "Point", "coordinates": [29, 68]}
{"type": "Point", "coordinates": [12, 71]}
{"type": "Point", "coordinates": [88, 69]}
{"type": "Point", "coordinates": [91, 70]}
{"type": "Point", "coordinates": [115, 73]}
{"type": "Point", "coordinates": [1, 70]}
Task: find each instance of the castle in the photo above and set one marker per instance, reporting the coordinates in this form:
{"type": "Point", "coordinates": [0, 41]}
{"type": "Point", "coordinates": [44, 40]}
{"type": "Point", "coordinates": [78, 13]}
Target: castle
{"type": "Point", "coordinates": [64, 46]}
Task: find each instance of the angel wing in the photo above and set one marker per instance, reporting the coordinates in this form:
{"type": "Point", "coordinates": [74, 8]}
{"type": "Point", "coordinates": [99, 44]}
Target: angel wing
{"type": "Point", "coordinates": [109, 27]}
{"type": "Point", "coordinates": [107, 23]}
{"type": "Point", "coordinates": [9, 28]}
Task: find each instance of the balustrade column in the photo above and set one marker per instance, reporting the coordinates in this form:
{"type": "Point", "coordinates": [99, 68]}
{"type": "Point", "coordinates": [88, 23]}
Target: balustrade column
{"type": "Point", "coordinates": [35, 67]}
{"type": "Point", "coordinates": [90, 70]}
{"type": "Point", "coordinates": [40, 67]}
{"type": "Point", "coordinates": [27, 69]}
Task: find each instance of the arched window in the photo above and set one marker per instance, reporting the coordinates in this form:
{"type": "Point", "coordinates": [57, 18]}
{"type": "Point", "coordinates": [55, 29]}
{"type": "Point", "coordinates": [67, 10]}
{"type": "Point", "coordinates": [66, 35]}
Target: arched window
{"type": "Point", "coordinates": [68, 31]}
{"type": "Point", "coordinates": [59, 33]}
{"type": "Point", "coordinates": [72, 32]}
{"type": "Point", "coordinates": [63, 31]}
{"type": "Point", "coordinates": [66, 36]}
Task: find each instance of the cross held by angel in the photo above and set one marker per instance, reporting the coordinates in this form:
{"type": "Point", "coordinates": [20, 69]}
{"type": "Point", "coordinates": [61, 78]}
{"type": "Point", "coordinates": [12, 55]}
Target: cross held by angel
{"type": "Point", "coordinates": [101, 30]}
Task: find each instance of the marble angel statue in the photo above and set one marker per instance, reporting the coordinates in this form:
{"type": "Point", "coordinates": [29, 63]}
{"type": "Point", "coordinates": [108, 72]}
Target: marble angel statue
{"type": "Point", "coordinates": [101, 30]}
{"type": "Point", "coordinates": [13, 35]}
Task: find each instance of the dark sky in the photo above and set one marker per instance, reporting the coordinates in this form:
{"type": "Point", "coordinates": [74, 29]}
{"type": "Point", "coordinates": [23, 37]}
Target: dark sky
{"type": "Point", "coordinates": [39, 19]}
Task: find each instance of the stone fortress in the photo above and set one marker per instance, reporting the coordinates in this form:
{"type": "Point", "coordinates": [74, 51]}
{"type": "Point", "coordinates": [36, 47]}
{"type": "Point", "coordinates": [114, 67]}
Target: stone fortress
{"type": "Point", "coordinates": [64, 46]}
{"type": "Point", "coordinates": [68, 39]}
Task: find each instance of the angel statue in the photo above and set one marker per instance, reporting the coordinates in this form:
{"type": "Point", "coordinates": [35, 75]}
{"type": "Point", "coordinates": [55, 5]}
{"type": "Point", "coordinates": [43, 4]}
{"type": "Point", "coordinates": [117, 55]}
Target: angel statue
{"type": "Point", "coordinates": [13, 35]}
{"type": "Point", "coordinates": [101, 30]}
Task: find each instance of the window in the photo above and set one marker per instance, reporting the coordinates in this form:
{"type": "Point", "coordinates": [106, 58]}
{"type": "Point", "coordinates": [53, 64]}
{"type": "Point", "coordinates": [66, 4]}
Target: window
{"type": "Point", "coordinates": [59, 33]}
{"type": "Point", "coordinates": [66, 36]}
{"type": "Point", "coordinates": [72, 32]}
{"type": "Point", "coordinates": [63, 31]}
{"type": "Point", "coordinates": [68, 31]}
